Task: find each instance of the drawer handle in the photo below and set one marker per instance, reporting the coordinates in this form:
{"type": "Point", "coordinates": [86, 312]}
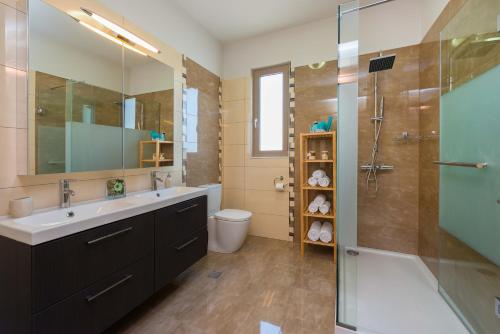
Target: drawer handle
{"type": "Point", "coordinates": [188, 208]}
{"type": "Point", "coordinates": [109, 236]}
{"type": "Point", "coordinates": [109, 288]}
{"type": "Point", "coordinates": [184, 245]}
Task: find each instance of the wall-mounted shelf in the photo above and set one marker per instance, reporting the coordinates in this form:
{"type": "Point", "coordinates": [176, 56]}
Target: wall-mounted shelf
{"type": "Point", "coordinates": [324, 141]}
{"type": "Point", "coordinates": [159, 146]}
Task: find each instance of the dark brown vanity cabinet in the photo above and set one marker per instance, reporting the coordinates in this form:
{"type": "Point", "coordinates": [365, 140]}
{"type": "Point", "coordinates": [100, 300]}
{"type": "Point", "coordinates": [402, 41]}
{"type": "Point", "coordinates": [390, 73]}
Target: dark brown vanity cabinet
{"type": "Point", "coordinates": [181, 238]}
{"type": "Point", "coordinates": [85, 282]}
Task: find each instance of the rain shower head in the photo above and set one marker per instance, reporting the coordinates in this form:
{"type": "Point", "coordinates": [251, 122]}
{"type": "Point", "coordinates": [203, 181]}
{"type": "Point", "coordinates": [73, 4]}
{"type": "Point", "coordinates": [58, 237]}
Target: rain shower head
{"type": "Point", "coordinates": [382, 63]}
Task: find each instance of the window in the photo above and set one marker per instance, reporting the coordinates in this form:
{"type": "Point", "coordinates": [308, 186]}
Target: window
{"type": "Point", "coordinates": [270, 111]}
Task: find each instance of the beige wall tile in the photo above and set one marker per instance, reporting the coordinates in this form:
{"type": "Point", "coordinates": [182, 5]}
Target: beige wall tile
{"type": "Point", "coordinates": [233, 178]}
{"type": "Point", "coordinates": [21, 151]}
{"type": "Point", "coordinates": [269, 226]}
{"type": "Point", "coordinates": [44, 196]}
{"type": "Point", "coordinates": [233, 199]}
{"type": "Point", "coordinates": [8, 157]}
{"type": "Point", "coordinates": [22, 41]}
{"type": "Point", "coordinates": [138, 182]}
{"type": "Point", "coordinates": [234, 134]}
{"type": "Point", "coordinates": [235, 89]}
{"type": "Point", "coordinates": [234, 112]}
{"type": "Point", "coordinates": [234, 155]}
{"type": "Point", "coordinates": [266, 202]}
{"type": "Point", "coordinates": [21, 100]}
{"type": "Point", "coordinates": [264, 162]}
{"type": "Point", "coordinates": [262, 178]}
{"type": "Point", "coordinates": [7, 96]}
{"type": "Point", "coordinates": [8, 36]}
{"type": "Point", "coordinates": [18, 4]}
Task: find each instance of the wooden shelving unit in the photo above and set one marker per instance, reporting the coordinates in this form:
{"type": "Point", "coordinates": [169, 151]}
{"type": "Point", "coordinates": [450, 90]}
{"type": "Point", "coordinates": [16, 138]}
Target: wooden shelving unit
{"type": "Point", "coordinates": [324, 141]}
{"type": "Point", "coordinates": [160, 146]}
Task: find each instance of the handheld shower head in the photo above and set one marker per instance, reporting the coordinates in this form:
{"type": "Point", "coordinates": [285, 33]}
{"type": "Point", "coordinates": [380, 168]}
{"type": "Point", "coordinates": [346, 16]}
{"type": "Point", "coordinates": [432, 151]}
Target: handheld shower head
{"type": "Point", "coordinates": [382, 63]}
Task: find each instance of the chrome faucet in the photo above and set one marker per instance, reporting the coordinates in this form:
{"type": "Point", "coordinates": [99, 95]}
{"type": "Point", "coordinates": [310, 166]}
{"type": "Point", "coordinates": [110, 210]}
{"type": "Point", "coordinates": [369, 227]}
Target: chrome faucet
{"type": "Point", "coordinates": [155, 179]}
{"type": "Point", "coordinates": [65, 194]}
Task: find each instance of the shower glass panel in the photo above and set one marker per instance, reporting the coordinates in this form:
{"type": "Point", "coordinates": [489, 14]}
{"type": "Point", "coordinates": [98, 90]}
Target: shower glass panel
{"type": "Point", "coordinates": [347, 153]}
{"type": "Point", "coordinates": [469, 196]}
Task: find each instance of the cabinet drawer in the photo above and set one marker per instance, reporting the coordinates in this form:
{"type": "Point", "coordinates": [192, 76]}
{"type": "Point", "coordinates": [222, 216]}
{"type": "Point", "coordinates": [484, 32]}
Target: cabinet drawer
{"type": "Point", "coordinates": [171, 260]}
{"type": "Point", "coordinates": [179, 221]}
{"type": "Point", "coordinates": [98, 307]}
{"type": "Point", "coordinates": [68, 265]}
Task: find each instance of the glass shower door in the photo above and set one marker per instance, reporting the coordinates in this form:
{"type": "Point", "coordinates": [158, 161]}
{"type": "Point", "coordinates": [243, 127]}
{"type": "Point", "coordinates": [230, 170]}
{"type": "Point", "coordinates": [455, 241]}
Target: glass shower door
{"type": "Point", "coordinates": [469, 196]}
{"type": "Point", "coordinates": [347, 161]}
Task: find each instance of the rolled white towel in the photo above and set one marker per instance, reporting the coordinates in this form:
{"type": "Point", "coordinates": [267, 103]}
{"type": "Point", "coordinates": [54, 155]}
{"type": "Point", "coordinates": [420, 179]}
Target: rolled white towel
{"type": "Point", "coordinates": [325, 234]}
{"type": "Point", "coordinates": [313, 207]}
{"type": "Point", "coordinates": [314, 231]}
{"type": "Point", "coordinates": [320, 199]}
{"type": "Point", "coordinates": [324, 181]}
{"type": "Point", "coordinates": [319, 173]}
{"type": "Point", "coordinates": [312, 181]}
{"type": "Point", "coordinates": [325, 207]}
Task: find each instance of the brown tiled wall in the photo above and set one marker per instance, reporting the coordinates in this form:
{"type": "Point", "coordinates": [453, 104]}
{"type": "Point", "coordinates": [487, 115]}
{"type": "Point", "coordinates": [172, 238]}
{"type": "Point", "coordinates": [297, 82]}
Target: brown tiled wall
{"type": "Point", "coordinates": [389, 219]}
{"type": "Point", "coordinates": [315, 99]}
{"type": "Point", "coordinates": [203, 166]}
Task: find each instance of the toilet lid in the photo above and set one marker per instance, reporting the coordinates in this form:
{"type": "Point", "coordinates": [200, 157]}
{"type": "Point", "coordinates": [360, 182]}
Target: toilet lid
{"type": "Point", "coordinates": [233, 215]}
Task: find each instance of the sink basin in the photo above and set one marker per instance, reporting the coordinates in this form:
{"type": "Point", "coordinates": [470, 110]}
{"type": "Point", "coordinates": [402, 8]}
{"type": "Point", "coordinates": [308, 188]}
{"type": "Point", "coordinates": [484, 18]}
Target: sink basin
{"type": "Point", "coordinates": [49, 225]}
{"type": "Point", "coordinates": [167, 193]}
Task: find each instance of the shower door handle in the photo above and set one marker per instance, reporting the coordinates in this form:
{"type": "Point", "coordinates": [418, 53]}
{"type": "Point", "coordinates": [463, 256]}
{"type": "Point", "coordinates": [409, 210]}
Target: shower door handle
{"type": "Point", "coordinates": [479, 165]}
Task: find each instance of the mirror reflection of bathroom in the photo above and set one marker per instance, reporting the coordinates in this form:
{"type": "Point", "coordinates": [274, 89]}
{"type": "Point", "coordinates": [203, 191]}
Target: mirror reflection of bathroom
{"type": "Point", "coordinates": [92, 100]}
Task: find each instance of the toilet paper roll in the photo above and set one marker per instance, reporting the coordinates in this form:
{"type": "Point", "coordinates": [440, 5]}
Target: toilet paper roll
{"type": "Point", "coordinates": [279, 186]}
{"type": "Point", "coordinates": [21, 207]}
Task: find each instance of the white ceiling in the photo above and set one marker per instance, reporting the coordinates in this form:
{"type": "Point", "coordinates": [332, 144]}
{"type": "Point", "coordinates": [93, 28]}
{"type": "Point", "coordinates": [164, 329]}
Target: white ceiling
{"type": "Point", "coordinates": [230, 20]}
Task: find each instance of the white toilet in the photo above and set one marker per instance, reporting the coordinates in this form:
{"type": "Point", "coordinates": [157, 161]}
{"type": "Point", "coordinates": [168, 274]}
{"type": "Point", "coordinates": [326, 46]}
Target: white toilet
{"type": "Point", "coordinates": [227, 229]}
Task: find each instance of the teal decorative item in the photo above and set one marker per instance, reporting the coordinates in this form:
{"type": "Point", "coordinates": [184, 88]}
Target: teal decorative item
{"type": "Point", "coordinates": [322, 126]}
{"type": "Point", "coordinates": [155, 135]}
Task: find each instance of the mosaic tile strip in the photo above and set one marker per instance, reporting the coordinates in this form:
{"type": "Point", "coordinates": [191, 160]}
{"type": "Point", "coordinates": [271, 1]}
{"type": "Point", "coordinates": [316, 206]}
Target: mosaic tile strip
{"type": "Point", "coordinates": [291, 156]}
{"type": "Point", "coordinates": [184, 120]}
{"type": "Point", "coordinates": [220, 131]}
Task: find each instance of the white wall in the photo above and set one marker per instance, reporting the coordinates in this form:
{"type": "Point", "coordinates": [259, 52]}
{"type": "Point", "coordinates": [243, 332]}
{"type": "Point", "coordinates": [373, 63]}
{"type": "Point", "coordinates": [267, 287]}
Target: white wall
{"type": "Point", "coordinates": [49, 56]}
{"type": "Point", "coordinates": [305, 44]}
{"type": "Point", "coordinates": [166, 21]}
{"type": "Point", "coordinates": [430, 12]}
{"type": "Point", "coordinates": [391, 25]}
{"type": "Point", "coordinates": [150, 77]}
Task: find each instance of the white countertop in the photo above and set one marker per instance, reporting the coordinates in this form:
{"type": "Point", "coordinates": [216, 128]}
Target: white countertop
{"type": "Point", "coordinates": [54, 224]}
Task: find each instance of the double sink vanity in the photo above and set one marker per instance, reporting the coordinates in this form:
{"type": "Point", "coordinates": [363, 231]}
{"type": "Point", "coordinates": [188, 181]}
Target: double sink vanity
{"type": "Point", "coordinates": [81, 269]}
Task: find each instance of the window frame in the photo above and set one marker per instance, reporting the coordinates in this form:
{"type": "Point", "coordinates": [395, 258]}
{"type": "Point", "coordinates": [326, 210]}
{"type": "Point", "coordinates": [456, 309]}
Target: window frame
{"type": "Point", "coordinates": [256, 75]}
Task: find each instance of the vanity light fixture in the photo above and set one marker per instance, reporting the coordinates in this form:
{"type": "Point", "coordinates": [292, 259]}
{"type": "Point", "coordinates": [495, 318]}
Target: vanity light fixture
{"type": "Point", "coordinates": [111, 38]}
{"type": "Point", "coordinates": [120, 31]}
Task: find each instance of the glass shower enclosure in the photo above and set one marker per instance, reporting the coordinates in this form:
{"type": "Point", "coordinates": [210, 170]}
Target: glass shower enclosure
{"type": "Point", "coordinates": [469, 189]}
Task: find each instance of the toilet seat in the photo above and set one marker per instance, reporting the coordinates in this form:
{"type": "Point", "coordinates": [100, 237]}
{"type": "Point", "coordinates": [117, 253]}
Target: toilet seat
{"type": "Point", "coordinates": [233, 215]}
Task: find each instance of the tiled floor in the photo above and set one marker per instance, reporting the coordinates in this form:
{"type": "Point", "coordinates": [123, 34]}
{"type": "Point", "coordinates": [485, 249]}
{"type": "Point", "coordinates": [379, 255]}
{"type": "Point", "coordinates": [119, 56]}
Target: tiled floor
{"type": "Point", "coordinates": [265, 288]}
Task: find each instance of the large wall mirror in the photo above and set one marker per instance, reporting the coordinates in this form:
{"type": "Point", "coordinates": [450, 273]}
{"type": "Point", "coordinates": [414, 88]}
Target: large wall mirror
{"type": "Point", "coordinates": [93, 103]}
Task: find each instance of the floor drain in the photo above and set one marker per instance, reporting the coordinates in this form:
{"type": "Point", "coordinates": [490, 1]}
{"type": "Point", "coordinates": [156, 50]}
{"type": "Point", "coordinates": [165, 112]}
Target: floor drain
{"type": "Point", "coordinates": [215, 274]}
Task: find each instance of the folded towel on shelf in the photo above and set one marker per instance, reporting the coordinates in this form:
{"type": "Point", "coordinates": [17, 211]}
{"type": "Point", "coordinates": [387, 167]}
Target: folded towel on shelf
{"type": "Point", "coordinates": [313, 207]}
{"type": "Point", "coordinates": [325, 207]}
{"type": "Point", "coordinates": [319, 173]}
{"type": "Point", "coordinates": [312, 181]}
{"type": "Point", "coordinates": [324, 181]}
{"type": "Point", "coordinates": [320, 199]}
{"type": "Point", "coordinates": [314, 231]}
{"type": "Point", "coordinates": [325, 233]}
